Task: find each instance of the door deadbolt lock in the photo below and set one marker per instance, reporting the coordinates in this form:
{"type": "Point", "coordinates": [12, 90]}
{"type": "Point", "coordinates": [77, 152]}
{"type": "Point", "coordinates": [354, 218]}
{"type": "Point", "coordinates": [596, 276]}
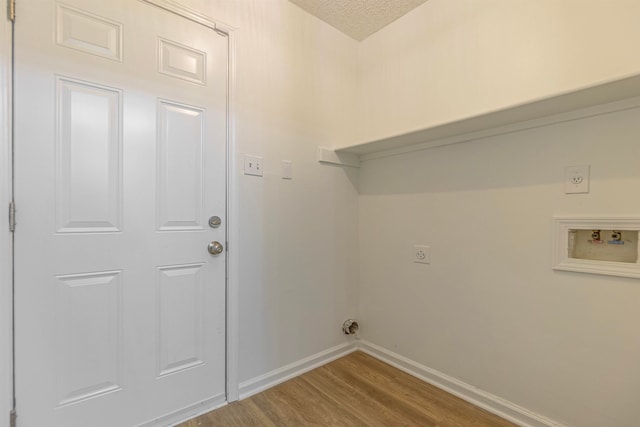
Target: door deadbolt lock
{"type": "Point", "coordinates": [215, 248]}
{"type": "Point", "coordinates": [215, 221]}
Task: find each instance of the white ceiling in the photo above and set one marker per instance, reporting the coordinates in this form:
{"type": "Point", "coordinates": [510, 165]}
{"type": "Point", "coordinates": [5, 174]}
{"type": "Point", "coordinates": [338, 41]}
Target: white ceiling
{"type": "Point", "coordinates": [358, 18]}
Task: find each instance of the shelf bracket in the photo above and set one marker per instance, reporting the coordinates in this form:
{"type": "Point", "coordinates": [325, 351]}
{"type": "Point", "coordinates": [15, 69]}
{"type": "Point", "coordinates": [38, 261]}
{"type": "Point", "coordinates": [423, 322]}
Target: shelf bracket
{"type": "Point", "coordinates": [327, 155]}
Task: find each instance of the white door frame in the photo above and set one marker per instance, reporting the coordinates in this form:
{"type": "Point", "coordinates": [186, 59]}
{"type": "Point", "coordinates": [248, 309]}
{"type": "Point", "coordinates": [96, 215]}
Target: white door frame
{"type": "Point", "coordinates": [6, 195]}
{"type": "Point", "coordinates": [6, 238]}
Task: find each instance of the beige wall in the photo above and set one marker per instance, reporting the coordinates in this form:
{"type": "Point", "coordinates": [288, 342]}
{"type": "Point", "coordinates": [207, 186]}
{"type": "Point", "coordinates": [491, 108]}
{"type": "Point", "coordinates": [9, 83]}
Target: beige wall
{"type": "Point", "coordinates": [298, 271]}
{"type": "Point", "coordinates": [453, 59]}
{"type": "Point", "coordinates": [489, 310]}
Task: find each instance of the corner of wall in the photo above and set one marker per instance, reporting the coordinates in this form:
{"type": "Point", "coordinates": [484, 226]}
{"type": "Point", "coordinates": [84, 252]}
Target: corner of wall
{"type": "Point", "coordinates": [487, 401]}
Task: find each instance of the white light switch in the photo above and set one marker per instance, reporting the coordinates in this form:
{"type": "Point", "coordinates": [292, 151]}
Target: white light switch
{"type": "Point", "coordinates": [253, 165]}
{"type": "Point", "coordinates": [287, 169]}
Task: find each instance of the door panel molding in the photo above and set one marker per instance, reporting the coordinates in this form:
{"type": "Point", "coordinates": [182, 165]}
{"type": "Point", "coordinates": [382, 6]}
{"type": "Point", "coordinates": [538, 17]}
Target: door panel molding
{"type": "Point", "coordinates": [88, 198]}
{"type": "Point", "coordinates": [180, 340]}
{"type": "Point", "coordinates": [181, 138]}
{"type": "Point", "coordinates": [89, 305]}
{"type": "Point", "coordinates": [92, 34]}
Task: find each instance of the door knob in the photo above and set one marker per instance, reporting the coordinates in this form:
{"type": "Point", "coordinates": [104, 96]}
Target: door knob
{"type": "Point", "coordinates": [215, 248]}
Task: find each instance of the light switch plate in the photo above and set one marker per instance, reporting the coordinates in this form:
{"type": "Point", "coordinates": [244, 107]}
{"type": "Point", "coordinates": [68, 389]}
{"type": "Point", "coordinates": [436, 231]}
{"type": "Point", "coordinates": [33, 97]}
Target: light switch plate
{"type": "Point", "coordinates": [287, 169]}
{"type": "Point", "coordinates": [252, 165]}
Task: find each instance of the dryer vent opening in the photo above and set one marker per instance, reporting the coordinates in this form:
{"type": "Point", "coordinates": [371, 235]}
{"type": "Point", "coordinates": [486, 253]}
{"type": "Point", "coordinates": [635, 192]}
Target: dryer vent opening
{"type": "Point", "coordinates": [350, 327]}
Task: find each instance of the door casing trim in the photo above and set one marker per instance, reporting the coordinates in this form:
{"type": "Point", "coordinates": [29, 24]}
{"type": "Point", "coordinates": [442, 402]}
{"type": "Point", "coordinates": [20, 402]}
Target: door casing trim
{"type": "Point", "coordinates": [6, 237]}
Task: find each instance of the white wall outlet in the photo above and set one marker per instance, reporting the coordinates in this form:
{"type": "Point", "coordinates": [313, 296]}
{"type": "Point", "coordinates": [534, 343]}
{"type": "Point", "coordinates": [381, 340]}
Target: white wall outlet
{"type": "Point", "coordinates": [253, 165]}
{"type": "Point", "coordinates": [421, 254]}
{"type": "Point", "coordinates": [576, 179]}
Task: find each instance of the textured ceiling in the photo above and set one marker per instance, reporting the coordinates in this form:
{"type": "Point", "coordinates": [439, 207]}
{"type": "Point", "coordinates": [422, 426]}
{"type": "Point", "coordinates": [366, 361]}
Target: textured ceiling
{"type": "Point", "coordinates": [358, 18]}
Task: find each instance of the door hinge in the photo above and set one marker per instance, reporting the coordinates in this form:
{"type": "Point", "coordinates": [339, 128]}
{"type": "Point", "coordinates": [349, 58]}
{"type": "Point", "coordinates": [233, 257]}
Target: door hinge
{"type": "Point", "coordinates": [12, 217]}
{"type": "Point", "coordinates": [13, 415]}
{"type": "Point", "coordinates": [12, 10]}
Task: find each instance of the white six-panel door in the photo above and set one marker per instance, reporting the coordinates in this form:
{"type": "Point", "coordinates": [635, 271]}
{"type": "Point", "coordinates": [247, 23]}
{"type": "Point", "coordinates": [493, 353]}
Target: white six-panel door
{"type": "Point", "coordinates": [120, 139]}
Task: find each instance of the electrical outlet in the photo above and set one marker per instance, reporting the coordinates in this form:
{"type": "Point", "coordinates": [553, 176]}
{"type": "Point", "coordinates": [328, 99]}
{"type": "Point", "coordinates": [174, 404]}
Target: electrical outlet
{"type": "Point", "coordinates": [576, 179]}
{"type": "Point", "coordinates": [252, 165]}
{"type": "Point", "coordinates": [421, 254]}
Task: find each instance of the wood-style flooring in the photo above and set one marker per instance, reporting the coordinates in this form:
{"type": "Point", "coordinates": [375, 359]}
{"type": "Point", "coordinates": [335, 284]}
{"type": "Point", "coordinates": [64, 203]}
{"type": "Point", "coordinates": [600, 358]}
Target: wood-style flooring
{"type": "Point", "coordinates": [356, 390]}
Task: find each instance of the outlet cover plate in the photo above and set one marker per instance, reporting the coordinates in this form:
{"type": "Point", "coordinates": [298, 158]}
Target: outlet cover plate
{"type": "Point", "coordinates": [421, 254]}
{"type": "Point", "coordinates": [576, 179]}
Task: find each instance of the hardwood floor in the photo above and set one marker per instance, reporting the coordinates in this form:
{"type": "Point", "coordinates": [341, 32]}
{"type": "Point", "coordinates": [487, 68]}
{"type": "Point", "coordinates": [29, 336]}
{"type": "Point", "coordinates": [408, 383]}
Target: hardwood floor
{"type": "Point", "coordinates": [356, 390]}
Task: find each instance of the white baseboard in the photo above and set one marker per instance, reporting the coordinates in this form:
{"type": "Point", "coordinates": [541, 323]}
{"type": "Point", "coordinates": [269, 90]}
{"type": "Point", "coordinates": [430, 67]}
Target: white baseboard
{"type": "Point", "coordinates": [270, 379]}
{"type": "Point", "coordinates": [487, 401]}
{"type": "Point", "coordinates": [188, 412]}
